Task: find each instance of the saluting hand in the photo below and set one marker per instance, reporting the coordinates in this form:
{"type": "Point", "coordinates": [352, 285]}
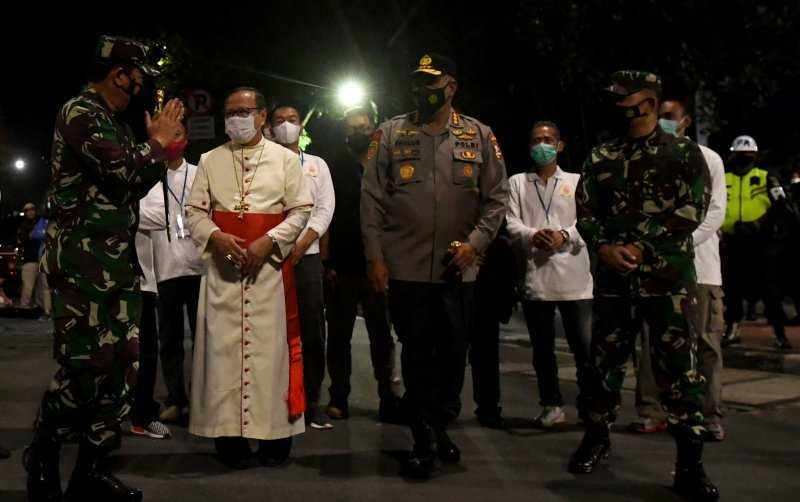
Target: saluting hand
{"type": "Point", "coordinates": [167, 124]}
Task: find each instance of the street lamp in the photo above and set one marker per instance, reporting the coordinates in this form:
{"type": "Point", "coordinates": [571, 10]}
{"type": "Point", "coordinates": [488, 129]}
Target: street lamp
{"type": "Point", "coordinates": [19, 164]}
{"type": "Point", "coordinates": [350, 94]}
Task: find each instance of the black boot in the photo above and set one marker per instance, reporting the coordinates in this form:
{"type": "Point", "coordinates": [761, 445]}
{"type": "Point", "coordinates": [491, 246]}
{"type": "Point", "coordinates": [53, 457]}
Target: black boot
{"type": "Point", "coordinates": [275, 452]}
{"type": "Point", "coordinates": [421, 462]}
{"type": "Point", "coordinates": [691, 481]}
{"type": "Point", "coordinates": [234, 452]}
{"type": "Point", "coordinates": [449, 453]}
{"type": "Point", "coordinates": [594, 447]}
{"type": "Point", "coordinates": [91, 481]}
{"type": "Point", "coordinates": [41, 461]}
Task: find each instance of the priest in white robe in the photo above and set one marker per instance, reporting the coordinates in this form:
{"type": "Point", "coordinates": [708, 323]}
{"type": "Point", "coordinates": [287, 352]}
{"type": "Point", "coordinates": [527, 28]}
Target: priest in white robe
{"type": "Point", "coordinates": [247, 207]}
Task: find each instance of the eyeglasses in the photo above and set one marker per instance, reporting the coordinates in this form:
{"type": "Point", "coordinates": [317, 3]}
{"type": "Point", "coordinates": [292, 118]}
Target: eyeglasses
{"type": "Point", "coordinates": [240, 112]}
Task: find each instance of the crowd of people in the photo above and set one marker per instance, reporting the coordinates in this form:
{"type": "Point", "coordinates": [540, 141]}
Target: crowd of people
{"type": "Point", "coordinates": [271, 253]}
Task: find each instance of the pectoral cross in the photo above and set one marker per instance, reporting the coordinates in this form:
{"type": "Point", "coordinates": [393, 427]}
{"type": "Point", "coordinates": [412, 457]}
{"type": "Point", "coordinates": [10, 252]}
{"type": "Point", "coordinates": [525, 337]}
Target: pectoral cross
{"type": "Point", "coordinates": [242, 206]}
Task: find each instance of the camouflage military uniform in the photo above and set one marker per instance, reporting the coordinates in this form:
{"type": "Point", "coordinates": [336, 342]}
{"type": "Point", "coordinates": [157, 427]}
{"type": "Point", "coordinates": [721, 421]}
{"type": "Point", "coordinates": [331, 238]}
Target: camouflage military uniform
{"type": "Point", "coordinates": [98, 176]}
{"type": "Point", "coordinates": [651, 192]}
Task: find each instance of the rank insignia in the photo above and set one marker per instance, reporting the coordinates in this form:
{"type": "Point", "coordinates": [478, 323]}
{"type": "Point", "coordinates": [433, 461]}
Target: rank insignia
{"type": "Point", "coordinates": [406, 172]}
{"type": "Point", "coordinates": [468, 155]}
{"type": "Point", "coordinates": [372, 149]}
{"type": "Point", "coordinates": [497, 152]}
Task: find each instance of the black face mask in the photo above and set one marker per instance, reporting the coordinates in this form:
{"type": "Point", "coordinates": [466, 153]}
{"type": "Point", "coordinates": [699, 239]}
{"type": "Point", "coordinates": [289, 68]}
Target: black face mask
{"type": "Point", "coordinates": [741, 164]}
{"type": "Point", "coordinates": [358, 142]}
{"type": "Point", "coordinates": [624, 115]}
{"type": "Point", "coordinates": [429, 101]}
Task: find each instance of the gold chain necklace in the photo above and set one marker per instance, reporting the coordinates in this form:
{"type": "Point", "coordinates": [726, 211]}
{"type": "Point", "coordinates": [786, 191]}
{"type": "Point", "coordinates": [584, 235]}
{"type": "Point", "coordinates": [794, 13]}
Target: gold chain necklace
{"type": "Point", "coordinates": [242, 206]}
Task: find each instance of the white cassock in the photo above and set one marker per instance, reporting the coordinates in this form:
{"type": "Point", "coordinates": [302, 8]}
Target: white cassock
{"type": "Point", "coordinates": [242, 381]}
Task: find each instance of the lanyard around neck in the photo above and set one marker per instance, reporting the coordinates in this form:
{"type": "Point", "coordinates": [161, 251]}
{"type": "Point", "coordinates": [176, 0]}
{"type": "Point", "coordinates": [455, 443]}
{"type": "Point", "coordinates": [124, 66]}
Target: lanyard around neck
{"type": "Point", "coordinates": [546, 207]}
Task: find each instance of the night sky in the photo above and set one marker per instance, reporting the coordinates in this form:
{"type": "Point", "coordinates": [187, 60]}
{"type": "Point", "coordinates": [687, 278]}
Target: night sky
{"type": "Point", "coordinates": [504, 82]}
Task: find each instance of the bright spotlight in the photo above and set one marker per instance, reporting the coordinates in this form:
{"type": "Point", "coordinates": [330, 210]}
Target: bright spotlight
{"type": "Point", "coordinates": [19, 164]}
{"type": "Point", "coordinates": [350, 94]}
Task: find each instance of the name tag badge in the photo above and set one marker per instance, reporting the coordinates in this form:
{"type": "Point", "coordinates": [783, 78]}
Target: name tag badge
{"type": "Point", "coordinates": [181, 232]}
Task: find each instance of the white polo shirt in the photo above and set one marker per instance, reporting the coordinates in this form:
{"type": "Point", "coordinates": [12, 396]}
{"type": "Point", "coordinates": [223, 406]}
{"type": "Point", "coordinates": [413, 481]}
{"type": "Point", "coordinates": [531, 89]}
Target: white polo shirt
{"type": "Point", "coordinates": [562, 275]}
{"type": "Point", "coordinates": [705, 237]}
{"type": "Point", "coordinates": [320, 184]}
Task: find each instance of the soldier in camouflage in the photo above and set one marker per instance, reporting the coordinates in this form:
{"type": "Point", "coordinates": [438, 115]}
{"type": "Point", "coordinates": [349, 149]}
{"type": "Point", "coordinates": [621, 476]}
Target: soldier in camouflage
{"type": "Point", "coordinates": [99, 173]}
{"type": "Point", "coordinates": [640, 197]}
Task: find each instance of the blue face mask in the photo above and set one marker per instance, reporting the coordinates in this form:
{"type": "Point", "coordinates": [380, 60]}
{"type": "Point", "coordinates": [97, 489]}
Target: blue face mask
{"type": "Point", "coordinates": [543, 154]}
{"type": "Point", "coordinates": [669, 126]}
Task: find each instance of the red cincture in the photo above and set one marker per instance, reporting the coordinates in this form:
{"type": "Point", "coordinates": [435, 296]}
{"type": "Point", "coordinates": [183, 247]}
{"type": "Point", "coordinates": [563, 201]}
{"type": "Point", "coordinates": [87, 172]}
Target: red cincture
{"type": "Point", "coordinates": [250, 227]}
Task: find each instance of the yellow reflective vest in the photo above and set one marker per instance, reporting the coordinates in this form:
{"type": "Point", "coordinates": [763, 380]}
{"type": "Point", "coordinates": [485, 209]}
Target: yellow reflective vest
{"type": "Point", "coordinates": [747, 198]}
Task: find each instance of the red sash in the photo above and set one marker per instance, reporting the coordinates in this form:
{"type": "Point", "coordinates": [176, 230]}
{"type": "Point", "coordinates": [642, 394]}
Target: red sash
{"type": "Point", "coordinates": [250, 228]}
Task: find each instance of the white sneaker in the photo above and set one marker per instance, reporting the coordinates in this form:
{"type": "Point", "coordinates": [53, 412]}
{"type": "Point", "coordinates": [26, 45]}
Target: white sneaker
{"type": "Point", "coordinates": [154, 430]}
{"type": "Point", "coordinates": [550, 417]}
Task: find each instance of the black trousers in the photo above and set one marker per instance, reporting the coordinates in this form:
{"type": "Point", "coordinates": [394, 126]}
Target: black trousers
{"type": "Point", "coordinates": [350, 291]}
{"type": "Point", "coordinates": [173, 296]}
{"type": "Point", "coordinates": [433, 324]}
{"type": "Point", "coordinates": [308, 277]}
{"type": "Point", "coordinates": [484, 359]}
{"type": "Point", "coordinates": [752, 268]}
{"type": "Point", "coordinates": [576, 317]}
{"type": "Point", "coordinates": [145, 408]}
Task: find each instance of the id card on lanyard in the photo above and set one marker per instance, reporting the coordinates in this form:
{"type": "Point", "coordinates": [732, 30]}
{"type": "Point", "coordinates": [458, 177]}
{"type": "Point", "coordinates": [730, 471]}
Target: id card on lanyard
{"type": "Point", "coordinates": [181, 232]}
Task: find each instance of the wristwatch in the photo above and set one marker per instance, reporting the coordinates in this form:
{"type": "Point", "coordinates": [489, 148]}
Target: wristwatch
{"type": "Point", "coordinates": [565, 235]}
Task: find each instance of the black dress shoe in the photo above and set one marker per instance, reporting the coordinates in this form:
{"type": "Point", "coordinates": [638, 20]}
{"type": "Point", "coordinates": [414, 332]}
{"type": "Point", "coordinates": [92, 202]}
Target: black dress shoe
{"type": "Point", "coordinates": [41, 462]}
{"type": "Point", "coordinates": [274, 452]}
{"type": "Point", "coordinates": [421, 463]}
{"type": "Point", "coordinates": [783, 343]}
{"type": "Point", "coordinates": [594, 447]}
{"type": "Point", "coordinates": [495, 421]}
{"type": "Point", "coordinates": [234, 452]}
{"type": "Point", "coordinates": [91, 481]}
{"type": "Point", "coordinates": [448, 452]}
{"type": "Point", "coordinates": [693, 484]}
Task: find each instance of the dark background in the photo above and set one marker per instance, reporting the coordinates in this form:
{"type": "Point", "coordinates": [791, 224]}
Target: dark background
{"type": "Point", "coordinates": [519, 61]}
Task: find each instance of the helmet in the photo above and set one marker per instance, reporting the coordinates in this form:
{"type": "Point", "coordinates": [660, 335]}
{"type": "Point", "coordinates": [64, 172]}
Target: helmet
{"type": "Point", "coordinates": [744, 144]}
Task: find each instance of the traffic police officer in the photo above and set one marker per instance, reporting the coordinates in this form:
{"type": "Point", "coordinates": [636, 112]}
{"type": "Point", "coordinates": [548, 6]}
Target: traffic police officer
{"type": "Point", "coordinates": [434, 195]}
{"type": "Point", "coordinates": [748, 264]}
{"type": "Point", "coordinates": [640, 198]}
{"type": "Point", "coordinates": [99, 173]}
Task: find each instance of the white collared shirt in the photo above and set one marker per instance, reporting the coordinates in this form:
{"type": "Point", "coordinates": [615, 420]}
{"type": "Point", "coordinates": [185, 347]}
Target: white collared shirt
{"type": "Point", "coordinates": [144, 251]}
{"type": "Point", "coordinates": [563, 275]}
{"type": "Point", "coordinates": [178, 257]}
{"type": "Point", "coordinates": [705, 237]}
{"type": "Point", "coordinates": [320, 185]}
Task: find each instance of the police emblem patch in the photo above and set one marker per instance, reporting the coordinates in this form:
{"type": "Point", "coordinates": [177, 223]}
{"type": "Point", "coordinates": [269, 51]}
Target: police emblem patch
{"type": "Point", "coordinates": [406, 172]}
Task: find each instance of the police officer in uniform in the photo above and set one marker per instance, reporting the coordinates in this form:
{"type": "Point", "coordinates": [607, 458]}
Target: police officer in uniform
{"type": "Point", "coordinates": [434, 195]}
{"type": "Point", "coordinates": [748, 250]}
{"type": "Point", "coordinates": [99, 173]}
{"type": "Point", "coordinates": [640, 198]}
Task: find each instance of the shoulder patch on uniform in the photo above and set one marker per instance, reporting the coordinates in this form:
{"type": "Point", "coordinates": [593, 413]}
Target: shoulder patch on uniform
{"type": "Point", "coordinates": [497, 152]}
{"type": "Point", "coordinates": [374, 144]}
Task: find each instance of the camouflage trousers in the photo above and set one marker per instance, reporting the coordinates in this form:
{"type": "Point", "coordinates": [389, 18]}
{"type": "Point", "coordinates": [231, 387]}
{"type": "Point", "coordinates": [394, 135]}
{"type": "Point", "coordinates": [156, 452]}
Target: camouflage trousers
{"type": "Point", "coordinates": [673, 353]}
{"type": "Point", "coordinates": [96, 344]}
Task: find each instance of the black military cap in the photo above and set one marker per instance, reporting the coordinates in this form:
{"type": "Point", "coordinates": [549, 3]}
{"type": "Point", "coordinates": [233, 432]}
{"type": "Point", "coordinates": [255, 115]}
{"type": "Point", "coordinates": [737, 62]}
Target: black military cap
{"type": "Point", "coordinates": [627, 82]}
{"type": "Point", "coordinates": [436, 65]}
{"type": "Point", "coordinates": [125, 50]}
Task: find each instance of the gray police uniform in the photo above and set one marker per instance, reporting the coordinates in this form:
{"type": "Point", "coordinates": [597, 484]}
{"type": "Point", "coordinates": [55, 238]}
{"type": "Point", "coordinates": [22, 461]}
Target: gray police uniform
{"type": "Point", "coordinates": [421, 192]}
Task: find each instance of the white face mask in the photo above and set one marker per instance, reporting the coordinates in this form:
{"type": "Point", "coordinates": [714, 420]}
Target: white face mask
{"type": "Point", "coordinates": [286, 133]}
{"type": "Point", "coordinates": [241, 129]}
